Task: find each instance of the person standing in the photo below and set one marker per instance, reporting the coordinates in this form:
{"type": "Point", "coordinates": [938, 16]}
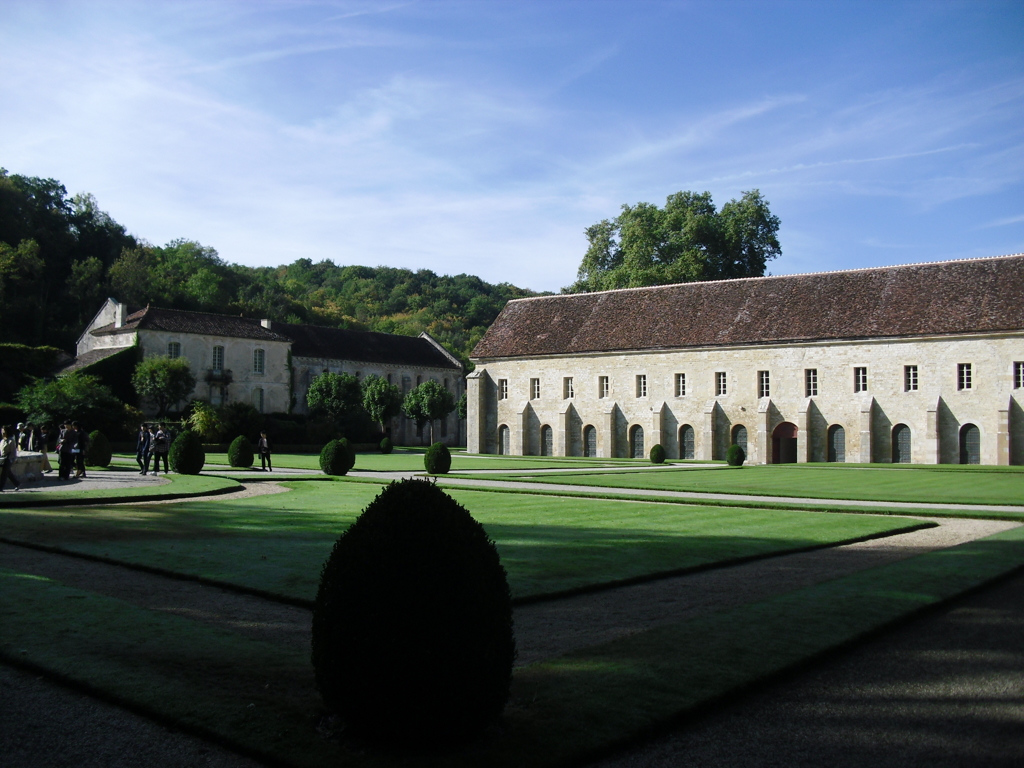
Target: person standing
{"type": "Point", "coordinates": [264, 449]}
{"type": "Point", "coordinates": [8, 453]}
{"type": "Point", "coordinates": [160, 450]}
{"type": "Point", "coordinates": [81, 444]}
{"type": "Point", "coordinates": [43, 446]}
{"type": "Point", "coordinates": [65, 449]}
{"type": "Point", "coordinates": [143, 446]}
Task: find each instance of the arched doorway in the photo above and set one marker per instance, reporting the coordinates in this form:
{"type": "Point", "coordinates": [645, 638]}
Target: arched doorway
{"type": "Point", "coordinates": [504, 440]}
{"type": "Point", "coordinates": [784, 444]}
{"type": "Point", "coordinates": [686, 442]}
{"type": "Point", "coordinates": [970, 444]}
{"type": "Point", "coordinates": [636, 442]}
{"type": "Point", "coordinates": [589, 441]}
{"type": "Point", "coordinates": [739, 437]}
{"type": "Point", "coordinates": [901, 444]}
{"type": "Point", "coordinates": [836, 443]}
{"type": "Point", "coordinates": [547, 441]}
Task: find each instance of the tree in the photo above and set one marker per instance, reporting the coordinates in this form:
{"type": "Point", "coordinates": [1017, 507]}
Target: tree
{"type": "Point", "coordinates": [334, 394]}
{"type": "Point", "coordinates": [462, 407]}
{"type": "Point", "coordinates": [163, 381]}
{"type": "Point", "coordinates": [76, 396]}
{"type": "Point", "coordinates": [381, 399]}
{"type": "Point", "coordinates": [427, 403]}
{"type": "Point", "coordinates": [685, 241]}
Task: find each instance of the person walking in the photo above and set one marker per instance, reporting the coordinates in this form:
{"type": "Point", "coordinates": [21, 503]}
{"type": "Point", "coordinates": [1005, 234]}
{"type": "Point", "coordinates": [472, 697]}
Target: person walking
{"type": "Point", "coordinates": [264, 448]}
{"type": "Point", "coordinates": [160, 450]}
{"type": "Point", "coordinates": [65, 449]}
{"type": "Point", "coordinates": [143, 447]}
{"type": "Point", "coordinates": [43, 446]}
{"type": "Point", "coordinates": [25, 438]}
{"type": "Point", "coordinates": [8, 453]}
{"type": "Point", "coordinates": [81, 444]}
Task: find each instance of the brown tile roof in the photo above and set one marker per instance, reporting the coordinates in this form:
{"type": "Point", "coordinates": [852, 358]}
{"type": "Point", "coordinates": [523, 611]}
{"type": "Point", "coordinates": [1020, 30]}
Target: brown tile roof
{"type": "Point", "coordinates": [979, 295]}
{"type": "Point", "coordinates": [363, 346]}
{"type": "Point", "coordinates": [86, 359]}
{"type": "Point", "coordinates": [184, 321]}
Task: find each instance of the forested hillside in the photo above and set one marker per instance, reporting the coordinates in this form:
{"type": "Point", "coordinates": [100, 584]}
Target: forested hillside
{"type": "Point", "coordinates": [61, 256]}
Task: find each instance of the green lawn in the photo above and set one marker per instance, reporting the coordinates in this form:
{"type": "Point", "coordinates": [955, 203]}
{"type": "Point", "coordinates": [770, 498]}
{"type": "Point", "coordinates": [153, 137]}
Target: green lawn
{"type": "Point", "coordinates": [180, 485]}
{"type": "Point", "coordinates": [942, 484]}
{"type": "Point", "coordinates": [277, 543]}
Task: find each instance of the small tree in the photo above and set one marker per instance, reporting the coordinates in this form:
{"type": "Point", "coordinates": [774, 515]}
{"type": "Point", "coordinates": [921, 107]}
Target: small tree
{"type": "Point", "coordinates": [163, 381]}
{"type": "Point", "coordinates": [334, 394]}
{"type": "Point", "coordinates": [381, 399]}
{"type": "Point", "coordinates": [462, 407]}
{"type": "Point", "coordinates": [75, 396]}
{"type": "Point", "coordinates": [203, 420]}
{"type": "Point", "coordinates": [427, 403]}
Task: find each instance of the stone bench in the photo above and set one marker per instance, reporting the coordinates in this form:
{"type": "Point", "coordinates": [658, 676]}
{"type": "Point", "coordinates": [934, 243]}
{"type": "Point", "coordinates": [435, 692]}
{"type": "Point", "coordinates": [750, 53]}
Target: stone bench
{"type": "Point", "coordinates": [28, 466]}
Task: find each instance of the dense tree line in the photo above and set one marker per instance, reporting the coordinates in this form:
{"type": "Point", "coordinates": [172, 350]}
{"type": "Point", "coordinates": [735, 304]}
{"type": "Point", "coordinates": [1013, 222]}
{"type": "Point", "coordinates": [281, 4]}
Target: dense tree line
{"type": "Point", "coordinates": [61, 256]}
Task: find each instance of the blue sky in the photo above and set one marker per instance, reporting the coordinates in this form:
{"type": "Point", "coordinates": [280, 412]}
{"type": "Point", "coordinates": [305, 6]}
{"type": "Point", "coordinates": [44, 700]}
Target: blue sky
{"type": "Point", "coordinates": [484, 137]}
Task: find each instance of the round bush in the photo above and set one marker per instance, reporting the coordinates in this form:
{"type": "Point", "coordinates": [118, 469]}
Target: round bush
{"type": "Point", "coordinates": [337, 457]}
{"type": "Point", "coordinates": [187, 455]}
{"type": "Point", "coordinates": [437, 459]}
{"type": "Point", "coordinates": [735, 456]}
{"type": "Point", "coordinates": [98, 453]}
{"type": "Point", "coordinates": [240, 452]}
{"type": "Point", "coordinates": [386, 446]}
{"type": "Point", "coordinates": [412, 625]}
{"type": "Point", "coordinates": [657, 454]}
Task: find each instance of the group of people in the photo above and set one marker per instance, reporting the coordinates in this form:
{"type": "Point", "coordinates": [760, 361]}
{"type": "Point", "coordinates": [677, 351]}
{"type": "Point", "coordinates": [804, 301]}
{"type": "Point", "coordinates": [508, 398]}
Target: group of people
{"type": "Point", "coordinates": [72, 442]}
{"type": "Point", "coordinates": [152, 445]}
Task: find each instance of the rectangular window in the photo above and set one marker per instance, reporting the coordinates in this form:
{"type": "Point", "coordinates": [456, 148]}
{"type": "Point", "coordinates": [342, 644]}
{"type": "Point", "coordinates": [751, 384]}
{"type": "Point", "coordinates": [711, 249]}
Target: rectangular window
{"type": "Point", "coordinates": [1018, 375]}
{"type": "Point", "coordinates": [720, 385]}
{"type": "Point", "coordinates": [641, 385]}
{"type": "Point", "coordinates": [174, 350]}
{"type": "Point", "coordinates": [218, 359]}
{"type": "Point", "coordinates": [680, 385]}
{"type": "Point", "coordinates": [534, 389]}
{"type": "Point", "coordinates": [810, 382]}
{"type": "Point", "coordinates": [963, 375]}
{"type": "Point", "coordinates": [257, 399]}
{"type": "Point", "coordinates": [567, 390]}
{"type": "Point", "coordinates": [764, 387]}
{"type": "Point", "coordinates": [604, 387]}
{"type": "Point", "coordinates": [503, 389]}
{"type": "Point", "coordinates": [860, 379]}
{"type": "Point", "coordinates": [259, 358]}
{"type": "Point", "coordinates": [910, 378]}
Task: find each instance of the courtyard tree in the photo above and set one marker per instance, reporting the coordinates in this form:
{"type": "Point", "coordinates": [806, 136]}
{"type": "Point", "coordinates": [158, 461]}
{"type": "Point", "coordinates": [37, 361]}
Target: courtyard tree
{"type": "Point", "coordinates": [75, 396]}
{"type": "Point", "coordinates": [334, 394]}
{"type": "Point", "coordinates": [164, 382]}
{"type": "Point", "coordinates": [686, 241]}
{"type": "Point", "coordinates": [381, 399]}
{"type": "Point", "coordinates": [428, 403]}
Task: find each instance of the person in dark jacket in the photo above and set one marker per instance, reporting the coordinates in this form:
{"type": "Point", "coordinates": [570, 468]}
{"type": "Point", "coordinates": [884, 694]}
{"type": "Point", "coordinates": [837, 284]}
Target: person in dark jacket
{"type": "Point", "coordinates": [264, 448]}
{"type": "Point", "coordinates": [143, 446]}
{"type": "Point", "coordinates": [81, 444]}
{"type": "Point", "coordinates": [68, 439]}
{"type": "Point", "coordinates": [161, 447]}
{"type": "Point", "coordinates": [8, 453]}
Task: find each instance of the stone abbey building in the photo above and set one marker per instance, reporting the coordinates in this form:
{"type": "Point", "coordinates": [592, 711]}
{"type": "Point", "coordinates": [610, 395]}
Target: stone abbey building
{"type": "Point", "coordinates": [921, 363]}
{"type": "Point", "coordinates": [271, 364]}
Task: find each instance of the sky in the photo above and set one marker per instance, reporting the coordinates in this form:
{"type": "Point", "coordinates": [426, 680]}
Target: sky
{"type": "Point", "coordinates": [484, 137]}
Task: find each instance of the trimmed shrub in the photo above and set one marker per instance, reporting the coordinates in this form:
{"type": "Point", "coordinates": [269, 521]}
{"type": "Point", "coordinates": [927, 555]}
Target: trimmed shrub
{"type": "Point", "coordinates": [240, 453]}
{"type": "Point", "coordinates": [657, 454]}
{"type": "Point", "coordinates": [385, 446]}
{"type": "Point", "coordinates": [337, 457]}
{"type": "Point", "coordinates": [98, 453]}
{"type": "Point", "coordinates": [412, 625]}
{"type": "Point", "coordinates": [437, 459]}
{"type": "Point", "coordinates": [735, 456]}
{"type": "Point", "coordinates": [187, 455]}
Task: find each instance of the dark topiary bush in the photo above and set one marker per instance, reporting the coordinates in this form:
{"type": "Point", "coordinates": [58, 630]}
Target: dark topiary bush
{"type": "Point", "coordinates": [337, 457]}
{"type": "Point", "coordinates": [412, 626]}
{"type": "Point", "coordinates": [657, 454]}
{"type": "Point", "coordinates": [240, 452]}
{"type": "Point", "coordinates": [437, 459]}
{"type": "Point", "coordinates": [385, 446]}
{"type": "Point", "coordinates": [187, 455]}
{"type": "Point", "coordinates": [735, 456]}
{"type": "Point", "coordinates": [98, 452]}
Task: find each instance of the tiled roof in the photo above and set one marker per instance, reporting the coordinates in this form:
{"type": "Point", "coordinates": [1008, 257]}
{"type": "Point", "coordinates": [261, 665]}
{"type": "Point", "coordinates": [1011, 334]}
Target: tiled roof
{"type": "Point", "coordinates": [979, 295]}
{"type": "Point", "coordinates": [86, 359]}
{"type": "Point", "coordinates": [363, 346]}
{"type": "Point", "coordinates": [183, 321]}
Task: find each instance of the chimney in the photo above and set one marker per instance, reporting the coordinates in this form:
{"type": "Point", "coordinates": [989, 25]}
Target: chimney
{"type": "Point", "coordinates": [265, 323]}
{"type": "Point", "coordinates": [119, 315]}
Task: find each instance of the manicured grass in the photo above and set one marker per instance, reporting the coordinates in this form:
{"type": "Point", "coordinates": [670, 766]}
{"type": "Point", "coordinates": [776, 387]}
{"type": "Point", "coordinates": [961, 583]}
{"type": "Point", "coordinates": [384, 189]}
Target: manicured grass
{"type": "Point", "coordinates": [278, 543]}
{"type": "Point", "coordinates": [179, 486]}
{"type": "Point", "coordinates": [259, 697]}
{"type": "Point", "coordinates": [942, 484]}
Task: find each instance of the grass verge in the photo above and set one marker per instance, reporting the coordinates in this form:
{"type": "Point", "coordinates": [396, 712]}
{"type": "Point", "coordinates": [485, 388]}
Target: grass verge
{"type": "Point", "coordinates": [180, 487]}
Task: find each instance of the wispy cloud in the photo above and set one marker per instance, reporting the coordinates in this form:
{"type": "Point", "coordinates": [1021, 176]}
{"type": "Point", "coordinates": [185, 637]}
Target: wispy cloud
{"type": "Point", "coordinates": [1004, 222]}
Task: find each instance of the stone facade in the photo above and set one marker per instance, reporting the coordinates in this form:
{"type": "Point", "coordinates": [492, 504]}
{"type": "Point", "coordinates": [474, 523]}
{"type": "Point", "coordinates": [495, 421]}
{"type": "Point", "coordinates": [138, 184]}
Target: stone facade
{"type": "Point", "coordinates": [924, 398]}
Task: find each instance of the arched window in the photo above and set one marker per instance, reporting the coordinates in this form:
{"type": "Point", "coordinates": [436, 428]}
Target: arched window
{"type": "Point", "coordinates": [636, 442]}
{"type": "Point", "coordinates": [970, 444]}
{"type": "Point", "coordinates": [589, 441]}
{"type": "Point", "coordinates": [739, 436]}
{"type": "Point", "coordinates": [686, 442]}
{"type": "Point", "coordinates": [547, 441]}
{"type": "Point", "coordinates": [901, 444]}
{"type": "Point", "coordinates": [836, 443]}
{"type": "Point", "coordinates": [504, 440]}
